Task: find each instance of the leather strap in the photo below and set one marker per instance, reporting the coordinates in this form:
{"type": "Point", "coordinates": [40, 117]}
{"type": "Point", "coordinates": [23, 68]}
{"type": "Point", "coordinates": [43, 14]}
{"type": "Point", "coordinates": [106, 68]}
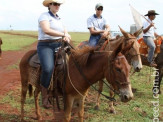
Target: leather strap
{"type": "Point", "coordinates": [54, 40]}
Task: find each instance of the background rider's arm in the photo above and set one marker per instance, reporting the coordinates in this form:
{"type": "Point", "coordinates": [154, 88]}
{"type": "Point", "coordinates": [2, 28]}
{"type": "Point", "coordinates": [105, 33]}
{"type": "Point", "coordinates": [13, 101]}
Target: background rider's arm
{"type": "Point", "coordinates": [47, 30]}
{"type": "Point", "coordinates": [107, 28]}
{"type": "Point", "coordinates": [106, 32]}
{"type": "Point", "coordinates": [94, 32]}
{"type": "Point", "coordinates": [147, 29]}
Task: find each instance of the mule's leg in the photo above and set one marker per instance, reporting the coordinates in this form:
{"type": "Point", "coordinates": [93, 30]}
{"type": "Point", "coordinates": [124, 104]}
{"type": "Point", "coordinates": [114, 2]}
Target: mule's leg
{"type": "Point", "coordinates": [36, 96]}
{"type": "Point", "coordinates": [24, 89]}
{"type": "Point", "coordinates": [160, 79]}
{"type": "Point", "coordinates": [81, 109]}
{"type": "Point", "coordinates": [0, 51]}
{"type": "Point", "coordinates": [69, 104]}
{"type": "Point", "coordinates": [111, 103]}
{"type": "Point", "coordinates": [98, 95]}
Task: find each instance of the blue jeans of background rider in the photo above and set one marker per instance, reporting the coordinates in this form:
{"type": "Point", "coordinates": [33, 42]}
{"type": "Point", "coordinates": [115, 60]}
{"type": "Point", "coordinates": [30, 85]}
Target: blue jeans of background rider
{"type": "Point", "coordinates": [150, 42]}
{"type": "Point", "coordinates": [46, 52]}
{"type": "Point", "coordinates": [93, 40]}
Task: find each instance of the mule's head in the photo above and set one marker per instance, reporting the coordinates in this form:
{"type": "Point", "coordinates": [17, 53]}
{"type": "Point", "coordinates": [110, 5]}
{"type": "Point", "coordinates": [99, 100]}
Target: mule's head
{"type": "Point", "coordinates": [119, 76]}
{"type": "Point", "coordinates": [130, 49]}
{"type": "Point", "coordinates": [0, 41]}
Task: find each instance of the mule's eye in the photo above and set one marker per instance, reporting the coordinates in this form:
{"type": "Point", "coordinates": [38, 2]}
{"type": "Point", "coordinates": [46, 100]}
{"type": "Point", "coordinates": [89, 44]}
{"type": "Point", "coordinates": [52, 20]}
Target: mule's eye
{"type": "Point", "coordinates": [118, 70]}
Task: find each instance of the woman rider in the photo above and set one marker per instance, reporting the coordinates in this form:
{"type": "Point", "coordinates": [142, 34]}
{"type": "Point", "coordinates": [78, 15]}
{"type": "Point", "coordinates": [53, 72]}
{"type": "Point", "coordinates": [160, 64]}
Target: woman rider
{"type": "Point", "coordinates": [50, 33]}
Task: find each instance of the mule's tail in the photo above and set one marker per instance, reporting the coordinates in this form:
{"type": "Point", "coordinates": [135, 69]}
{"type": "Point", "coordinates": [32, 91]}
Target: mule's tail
{"type": "Point", "coordinates": [30, 90]}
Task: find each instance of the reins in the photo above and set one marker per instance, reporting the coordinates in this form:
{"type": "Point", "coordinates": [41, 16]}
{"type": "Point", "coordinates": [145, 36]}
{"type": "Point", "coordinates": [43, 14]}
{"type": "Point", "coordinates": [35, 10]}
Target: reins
{"type": "Point", "coordinates": [85, 78]}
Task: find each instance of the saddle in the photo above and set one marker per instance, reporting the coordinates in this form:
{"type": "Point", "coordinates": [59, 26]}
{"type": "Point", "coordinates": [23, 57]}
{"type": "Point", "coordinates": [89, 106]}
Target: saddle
{"type": "Point", "coordinates": [144, 48]}
{"type": "Point", "coordinates": [58, 79]}
{"type": "Point", "coordinates": [34, 61]}
{"type": "Point", "coordinates": [35, 67]}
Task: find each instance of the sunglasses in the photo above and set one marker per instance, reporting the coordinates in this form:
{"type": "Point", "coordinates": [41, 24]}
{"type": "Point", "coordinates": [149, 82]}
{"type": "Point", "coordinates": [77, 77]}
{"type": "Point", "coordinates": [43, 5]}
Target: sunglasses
{"type": "Point", "coordinates": [100, 9]}
{"type": "Point", "coordinates": [55, 4]}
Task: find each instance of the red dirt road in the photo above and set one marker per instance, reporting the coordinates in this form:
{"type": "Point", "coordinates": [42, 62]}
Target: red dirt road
{"type": "Point", "coordinates": [10, 81]}
{"type": "Point", "coordinates": [10, 78]}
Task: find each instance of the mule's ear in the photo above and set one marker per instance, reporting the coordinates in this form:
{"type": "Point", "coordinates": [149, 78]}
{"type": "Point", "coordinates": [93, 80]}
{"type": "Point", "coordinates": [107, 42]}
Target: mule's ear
{"type": "Point", "coordinates": [125, 34]}
{"type": "Point", "coordinates": [137, 33]}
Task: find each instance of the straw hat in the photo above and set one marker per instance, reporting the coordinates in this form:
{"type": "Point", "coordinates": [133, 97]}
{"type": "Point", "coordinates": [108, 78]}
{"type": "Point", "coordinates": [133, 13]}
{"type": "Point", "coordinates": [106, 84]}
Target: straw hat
{"type": "Point", "coordinates": [47, 2]}
{"type": "Point", "coordinates": [151, 12]}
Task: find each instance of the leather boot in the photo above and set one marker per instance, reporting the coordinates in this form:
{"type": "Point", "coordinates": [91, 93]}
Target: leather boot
{"type": "Point", "coordinates": [45, 102]}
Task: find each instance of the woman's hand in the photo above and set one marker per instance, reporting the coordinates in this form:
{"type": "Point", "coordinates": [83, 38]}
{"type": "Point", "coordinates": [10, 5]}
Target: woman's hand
{"type": "Point", "coordinates": [67, 37]}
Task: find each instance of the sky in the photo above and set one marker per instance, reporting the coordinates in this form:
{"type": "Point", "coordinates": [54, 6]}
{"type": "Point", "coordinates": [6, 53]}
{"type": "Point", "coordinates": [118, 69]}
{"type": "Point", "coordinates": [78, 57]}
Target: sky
{"type": "Point", "coordinates": [24, 14]}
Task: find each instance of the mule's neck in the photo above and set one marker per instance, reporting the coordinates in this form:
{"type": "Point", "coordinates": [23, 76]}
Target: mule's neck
{"type": "Point", "coordinates": [93, 71]}
{"type": "Point", "coordinates": [114, 44]}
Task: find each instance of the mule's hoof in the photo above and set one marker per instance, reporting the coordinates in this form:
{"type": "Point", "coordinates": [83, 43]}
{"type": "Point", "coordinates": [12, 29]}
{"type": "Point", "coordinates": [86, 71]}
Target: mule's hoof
{"type": "Point", "coordinates": [96, 107]}
{"type": "Point", "coordinates": [112, 111]}
{"type": "Point", "coordinates": [39, 118]}
{"type": "Point", "coordinates": [134, 90]}
{"type": "Point", "coordinates": [22, 120]}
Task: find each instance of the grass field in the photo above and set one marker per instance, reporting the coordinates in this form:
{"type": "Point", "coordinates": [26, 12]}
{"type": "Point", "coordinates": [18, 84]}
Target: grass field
{"type": "Point", "coordinates": [13, 42]}
{"type": "Point", "coordinates": [140, 109]}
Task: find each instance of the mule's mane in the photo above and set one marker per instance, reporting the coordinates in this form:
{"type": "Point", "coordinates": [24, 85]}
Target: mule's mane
{"type": "Point", "coordinates": [82, 55]}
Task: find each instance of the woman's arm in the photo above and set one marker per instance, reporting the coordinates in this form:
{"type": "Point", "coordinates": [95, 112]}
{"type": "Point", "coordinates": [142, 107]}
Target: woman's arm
{"type": "Point", "coordinates": [47, 30]}
{"type": "Point", "coordinates": [67, 36]}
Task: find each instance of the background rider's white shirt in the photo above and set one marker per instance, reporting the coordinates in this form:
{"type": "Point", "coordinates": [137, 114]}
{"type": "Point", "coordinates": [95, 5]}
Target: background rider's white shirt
{"type": "Point", "coordinates": [151, 31]}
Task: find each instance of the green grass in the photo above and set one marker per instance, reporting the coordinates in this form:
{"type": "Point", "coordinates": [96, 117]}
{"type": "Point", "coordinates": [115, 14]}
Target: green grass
{"type": "Point", "coordinates": [14, 42]}
{"type": "Point", "coordinates": [140, 109]}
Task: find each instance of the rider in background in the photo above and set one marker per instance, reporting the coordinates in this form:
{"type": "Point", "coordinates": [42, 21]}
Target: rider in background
{"type": "Point", "coordinates": [149, 34]}
{"type": "Point", "coordinates": [98, 27]}
{"type": "Point", "coordinates": [50, 33]}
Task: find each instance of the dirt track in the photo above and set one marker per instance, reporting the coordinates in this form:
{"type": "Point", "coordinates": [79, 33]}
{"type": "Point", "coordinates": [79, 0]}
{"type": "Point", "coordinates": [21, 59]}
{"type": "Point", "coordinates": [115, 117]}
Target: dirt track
{"type": "Point", "coordinates": [10, 78]}
{"type": "Point", "coordinates": [10, 81]}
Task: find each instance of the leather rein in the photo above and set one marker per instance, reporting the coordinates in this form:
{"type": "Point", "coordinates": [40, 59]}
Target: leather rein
{"type": "Point", "coordinates": [85, 78]}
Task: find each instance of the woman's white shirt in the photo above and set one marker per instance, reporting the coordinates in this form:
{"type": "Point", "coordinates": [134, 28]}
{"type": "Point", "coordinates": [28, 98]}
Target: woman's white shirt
{"type": "Point", "coordinates": [55, 24]}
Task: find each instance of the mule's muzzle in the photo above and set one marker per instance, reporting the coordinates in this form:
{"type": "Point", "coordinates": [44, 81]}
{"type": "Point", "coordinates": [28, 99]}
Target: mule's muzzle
{"type": "Point", "coordinates": [126, 98]}
{"type": "Point", "coordinates": [126, 95]}
{"type": "Point", "coordinates": [137, 69]}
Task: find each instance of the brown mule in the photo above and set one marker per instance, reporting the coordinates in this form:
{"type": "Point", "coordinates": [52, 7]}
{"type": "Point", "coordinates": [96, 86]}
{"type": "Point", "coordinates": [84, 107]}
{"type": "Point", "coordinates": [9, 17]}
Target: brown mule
{"type": "Point", "coordinates": [159, 62]}
{"type": "Point", "coordinates": [130, 49]}
{"type": "Point", "coordinates": [96, 66]}
{"type": "Point", "coordinates": [0, 48]}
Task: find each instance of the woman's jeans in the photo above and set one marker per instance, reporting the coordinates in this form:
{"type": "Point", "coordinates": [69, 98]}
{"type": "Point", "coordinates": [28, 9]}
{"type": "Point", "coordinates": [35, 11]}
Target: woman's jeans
{"type": "Point", "coordinates": [46, 51]}
{"type": "Point", "coordinates": [150, 42]}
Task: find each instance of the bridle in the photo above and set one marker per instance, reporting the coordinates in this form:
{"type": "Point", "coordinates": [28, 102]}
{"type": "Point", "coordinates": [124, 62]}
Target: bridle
{"type": "Point", "coordinates": [85, 78]}
{"type": "Point", "coordinates": [127, 54]}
